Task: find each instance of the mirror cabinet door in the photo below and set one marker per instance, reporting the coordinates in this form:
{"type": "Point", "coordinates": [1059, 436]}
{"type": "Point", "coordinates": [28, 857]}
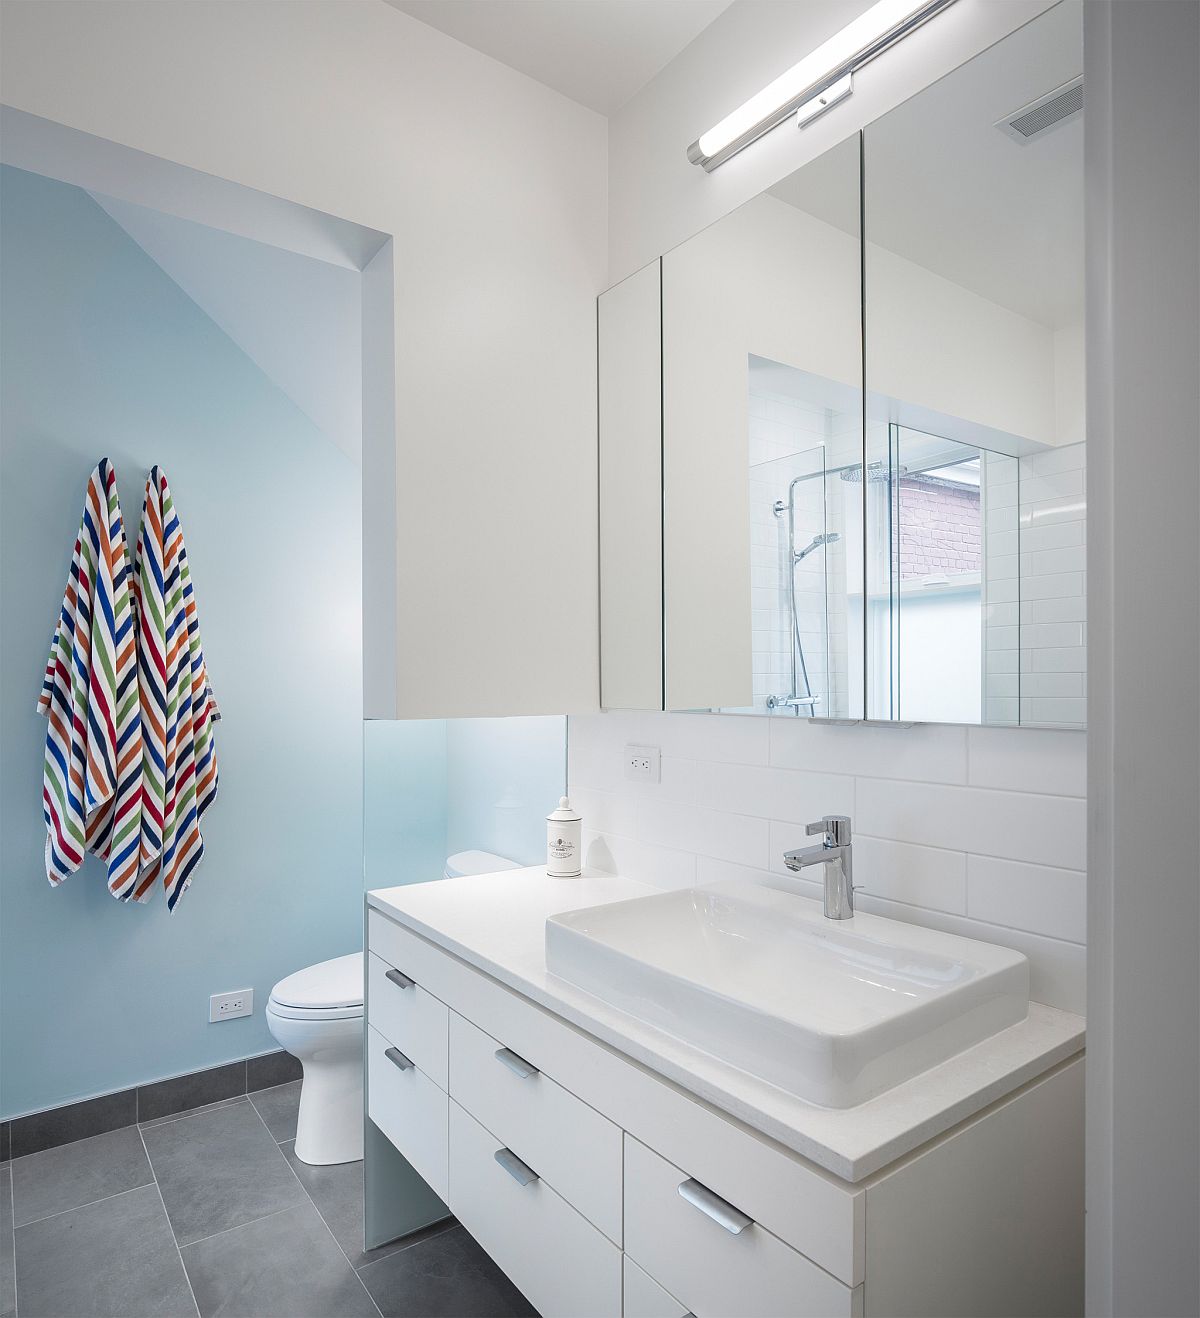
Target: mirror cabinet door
{"type": "Point", "coordinates": [975, 512]}
{"type": "Point", "coordinates": [762, 445]}
{"type": "Point", "coordinates": [762, 549]}
{"type": "Point", "coordinates": [629, 338]}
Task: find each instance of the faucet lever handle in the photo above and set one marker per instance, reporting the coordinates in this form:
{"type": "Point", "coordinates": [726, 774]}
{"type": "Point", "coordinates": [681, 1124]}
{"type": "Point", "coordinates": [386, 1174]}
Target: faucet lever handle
{"type": "Point", "coordinates": [836, 829]}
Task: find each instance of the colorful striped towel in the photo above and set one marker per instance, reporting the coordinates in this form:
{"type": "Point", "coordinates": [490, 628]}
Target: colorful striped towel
{"type": "Point", "coordinates": [178, 709]}
{"type": "Point", "coordinates": [92, 781]}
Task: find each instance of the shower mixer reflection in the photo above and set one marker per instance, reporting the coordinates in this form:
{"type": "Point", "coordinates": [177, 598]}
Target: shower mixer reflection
{"type": "Point", "coordinates": [801, 695]}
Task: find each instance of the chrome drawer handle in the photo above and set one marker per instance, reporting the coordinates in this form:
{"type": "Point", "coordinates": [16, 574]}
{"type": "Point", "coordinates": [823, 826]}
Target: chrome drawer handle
{"type": "Point", "coordinates": [401, 981]}
{"type": "Point", "coordinates": [712, 1205]}
{"type": "Point", "coordinates": [517, 1065]}
{"type": "Point", "coordinates": [397, 1058]}
{"type": "Point", "coordinates": [519, 1171]}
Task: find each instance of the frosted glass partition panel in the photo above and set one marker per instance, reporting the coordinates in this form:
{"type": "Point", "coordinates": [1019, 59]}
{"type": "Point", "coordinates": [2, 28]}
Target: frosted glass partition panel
{"type": "Point", "coordinates": [973, 251]}
{"type": "Point", "coordinates": [505, 775]}
{"type": "Point", "coordinates": [433, 787]}
{"type": "Point", "coordinates": [405, 801]}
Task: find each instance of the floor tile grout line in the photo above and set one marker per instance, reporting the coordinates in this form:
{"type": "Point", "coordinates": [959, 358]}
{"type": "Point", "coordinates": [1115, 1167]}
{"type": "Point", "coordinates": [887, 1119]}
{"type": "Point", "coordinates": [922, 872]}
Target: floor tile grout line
{"type": "Point", "coordinates": [170, 1224]}
{"type": "Point", "coordinates": [91, 1203]}
{"type": "Point", "coordinates": [317, 1210]}
{"type": "Point", "coordinates": [225, 1230]}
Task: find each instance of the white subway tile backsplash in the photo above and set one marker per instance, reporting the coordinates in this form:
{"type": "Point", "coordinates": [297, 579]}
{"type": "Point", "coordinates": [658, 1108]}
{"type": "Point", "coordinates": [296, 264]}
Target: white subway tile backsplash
{"type": "Point", "coordinates": [1039, 898]}
{"type": "Point", "coordinates": [665, 823]}
{"type": "Point", "coordinates": [1053, 485]}
{"type": "Point", "coordinates": [1018, 825]}
{"type": "Point", "coordinates": [739, 839]}
{"type": "Point", "coordinates": [1057, 585]}
{"type": "Point", "coordinates": [1044, 562]}
{"type": "Point", "coordinates": [1046, 512]}
{"type": "Point", "coordinates": [770, 793]}
{"type": "Point", "coordinates": [920, 876]}
{"type": "Point", "coordinates": [1067, 659]}
{"type": "Point", "coordinates": [1028, 760]}
{"type": "Point", "coordinates": [607, 812]}
{"type": "Point", "coordinates": [661, 867]}
{"type": "Point", "coordinates": [929, 752]}
{"type": "Point", "coordinates": [1052, 634]}
{"type": "Point", "coordinates": [1054, 535]}
{"type": "Point", "coordinates": [720, 737]}
{"type": "Point", "coordinates": [1053, 684]}
{"type": "Point", "coordinates": [1071, 609]}
{"type": "Point", "coordinates": [1001, 542]}
{"type": "Point", "coordinates": [1054, 711]}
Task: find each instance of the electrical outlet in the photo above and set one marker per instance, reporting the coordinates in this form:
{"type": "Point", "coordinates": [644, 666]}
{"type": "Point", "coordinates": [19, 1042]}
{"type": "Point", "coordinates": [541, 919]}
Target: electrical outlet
{"type": "Point", "coordinates": [225, 1006]}
{"type": "Point", "coordinates": [642, 764]}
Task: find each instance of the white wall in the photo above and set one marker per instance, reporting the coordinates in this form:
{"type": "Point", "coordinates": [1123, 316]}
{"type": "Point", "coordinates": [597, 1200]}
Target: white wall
{"type": "Point", "coordinates": [1142, 71]}
{"type": "Point", "coordinates": [494, 189]}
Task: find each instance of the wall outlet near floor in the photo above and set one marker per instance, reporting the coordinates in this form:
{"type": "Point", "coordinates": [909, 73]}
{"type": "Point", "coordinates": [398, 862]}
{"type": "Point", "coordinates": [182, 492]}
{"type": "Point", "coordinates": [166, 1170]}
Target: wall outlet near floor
{"type": "Point", "coordinates": [225, 1006]}
{"type": "Point", "coordinates": [642, 764]}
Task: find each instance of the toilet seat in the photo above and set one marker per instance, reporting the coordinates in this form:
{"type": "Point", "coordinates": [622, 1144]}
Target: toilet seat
{"type": "Point", "coordinates": [329, 991]}
{"type": "Point", "coordinates": [314, 1013]}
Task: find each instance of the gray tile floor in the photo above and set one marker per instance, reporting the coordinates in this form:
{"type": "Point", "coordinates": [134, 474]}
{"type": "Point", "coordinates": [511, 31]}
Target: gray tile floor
{"type": "Point", "coordinates": [211, 1213]}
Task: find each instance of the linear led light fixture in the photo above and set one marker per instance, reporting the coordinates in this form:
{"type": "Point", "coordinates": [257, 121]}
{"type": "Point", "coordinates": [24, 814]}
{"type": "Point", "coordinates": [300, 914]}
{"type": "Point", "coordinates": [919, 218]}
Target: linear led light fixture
{"type": "Point", "coordinates": [819, 81]}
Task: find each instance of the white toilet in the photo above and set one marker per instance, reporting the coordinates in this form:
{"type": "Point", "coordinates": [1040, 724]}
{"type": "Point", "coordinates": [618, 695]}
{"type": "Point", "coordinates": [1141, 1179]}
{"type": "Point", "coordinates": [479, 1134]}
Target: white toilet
{"type": "Point", "coordinates": [317, 1016]}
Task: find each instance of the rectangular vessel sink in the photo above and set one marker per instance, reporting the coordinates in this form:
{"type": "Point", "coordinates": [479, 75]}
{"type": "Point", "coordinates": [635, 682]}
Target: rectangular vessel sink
{"type": "Point", "coordinates": [834, 1012]}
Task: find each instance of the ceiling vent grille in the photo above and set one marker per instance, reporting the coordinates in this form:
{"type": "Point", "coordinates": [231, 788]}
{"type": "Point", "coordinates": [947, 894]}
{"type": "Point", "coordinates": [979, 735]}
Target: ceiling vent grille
{"type": "Point", "coordinates": [1039, 117]}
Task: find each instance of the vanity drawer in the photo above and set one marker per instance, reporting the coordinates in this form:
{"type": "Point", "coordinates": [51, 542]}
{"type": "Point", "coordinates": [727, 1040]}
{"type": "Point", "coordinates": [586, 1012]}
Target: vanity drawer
{"type": "Point", "coordinates": [572, 1147]}
{"type": "Point", "coordinates": [645, 1298]}
{"type": "Point", "coordinates": [563, 1265]}
{"type": "Point", "coordinates": [410, 1110]}
{"type": "Point", "coordinates": [409, 1017]}
{"type": "Point", "coordinates": [737, 1270]}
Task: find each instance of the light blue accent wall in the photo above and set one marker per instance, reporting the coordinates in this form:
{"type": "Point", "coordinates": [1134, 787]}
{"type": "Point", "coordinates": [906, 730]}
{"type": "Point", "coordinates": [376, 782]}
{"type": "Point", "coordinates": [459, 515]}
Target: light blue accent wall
{"type": "Point", "coordinates": [102, 355]}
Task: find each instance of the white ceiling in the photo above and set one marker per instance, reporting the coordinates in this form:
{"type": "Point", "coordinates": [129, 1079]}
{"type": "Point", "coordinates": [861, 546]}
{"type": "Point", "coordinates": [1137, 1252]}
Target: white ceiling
{"type": "Point", "coordinates": [597, 52]}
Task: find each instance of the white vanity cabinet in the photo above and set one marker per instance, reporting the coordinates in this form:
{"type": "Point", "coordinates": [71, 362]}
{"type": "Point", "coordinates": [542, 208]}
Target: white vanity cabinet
{"type": "Point", "coordinates": [603, 1189]}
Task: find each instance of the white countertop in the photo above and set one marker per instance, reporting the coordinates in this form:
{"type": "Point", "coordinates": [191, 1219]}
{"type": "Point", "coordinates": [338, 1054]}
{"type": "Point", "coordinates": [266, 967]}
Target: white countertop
{"type": "Point", "coordinates": [496, 923]}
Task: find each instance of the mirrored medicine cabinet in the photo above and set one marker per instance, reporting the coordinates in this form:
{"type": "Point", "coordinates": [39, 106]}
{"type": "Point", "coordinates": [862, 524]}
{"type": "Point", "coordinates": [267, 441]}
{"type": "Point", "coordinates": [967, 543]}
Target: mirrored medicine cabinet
{"type": "Point", "coordinates": [841, 430]}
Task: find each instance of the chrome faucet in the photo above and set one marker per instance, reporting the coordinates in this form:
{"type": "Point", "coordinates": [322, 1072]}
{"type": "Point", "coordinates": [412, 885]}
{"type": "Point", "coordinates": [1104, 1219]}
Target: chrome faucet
{"type": "Point", "coordinates": [834, 852]}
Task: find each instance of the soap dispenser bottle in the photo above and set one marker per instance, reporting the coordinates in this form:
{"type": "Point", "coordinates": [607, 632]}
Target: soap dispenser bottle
{"type": "Point", "coordinates": [564, 830]}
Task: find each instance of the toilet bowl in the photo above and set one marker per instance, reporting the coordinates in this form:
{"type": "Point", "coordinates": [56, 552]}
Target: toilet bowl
{"type": "Point", "coordinates": [317, 1016]}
